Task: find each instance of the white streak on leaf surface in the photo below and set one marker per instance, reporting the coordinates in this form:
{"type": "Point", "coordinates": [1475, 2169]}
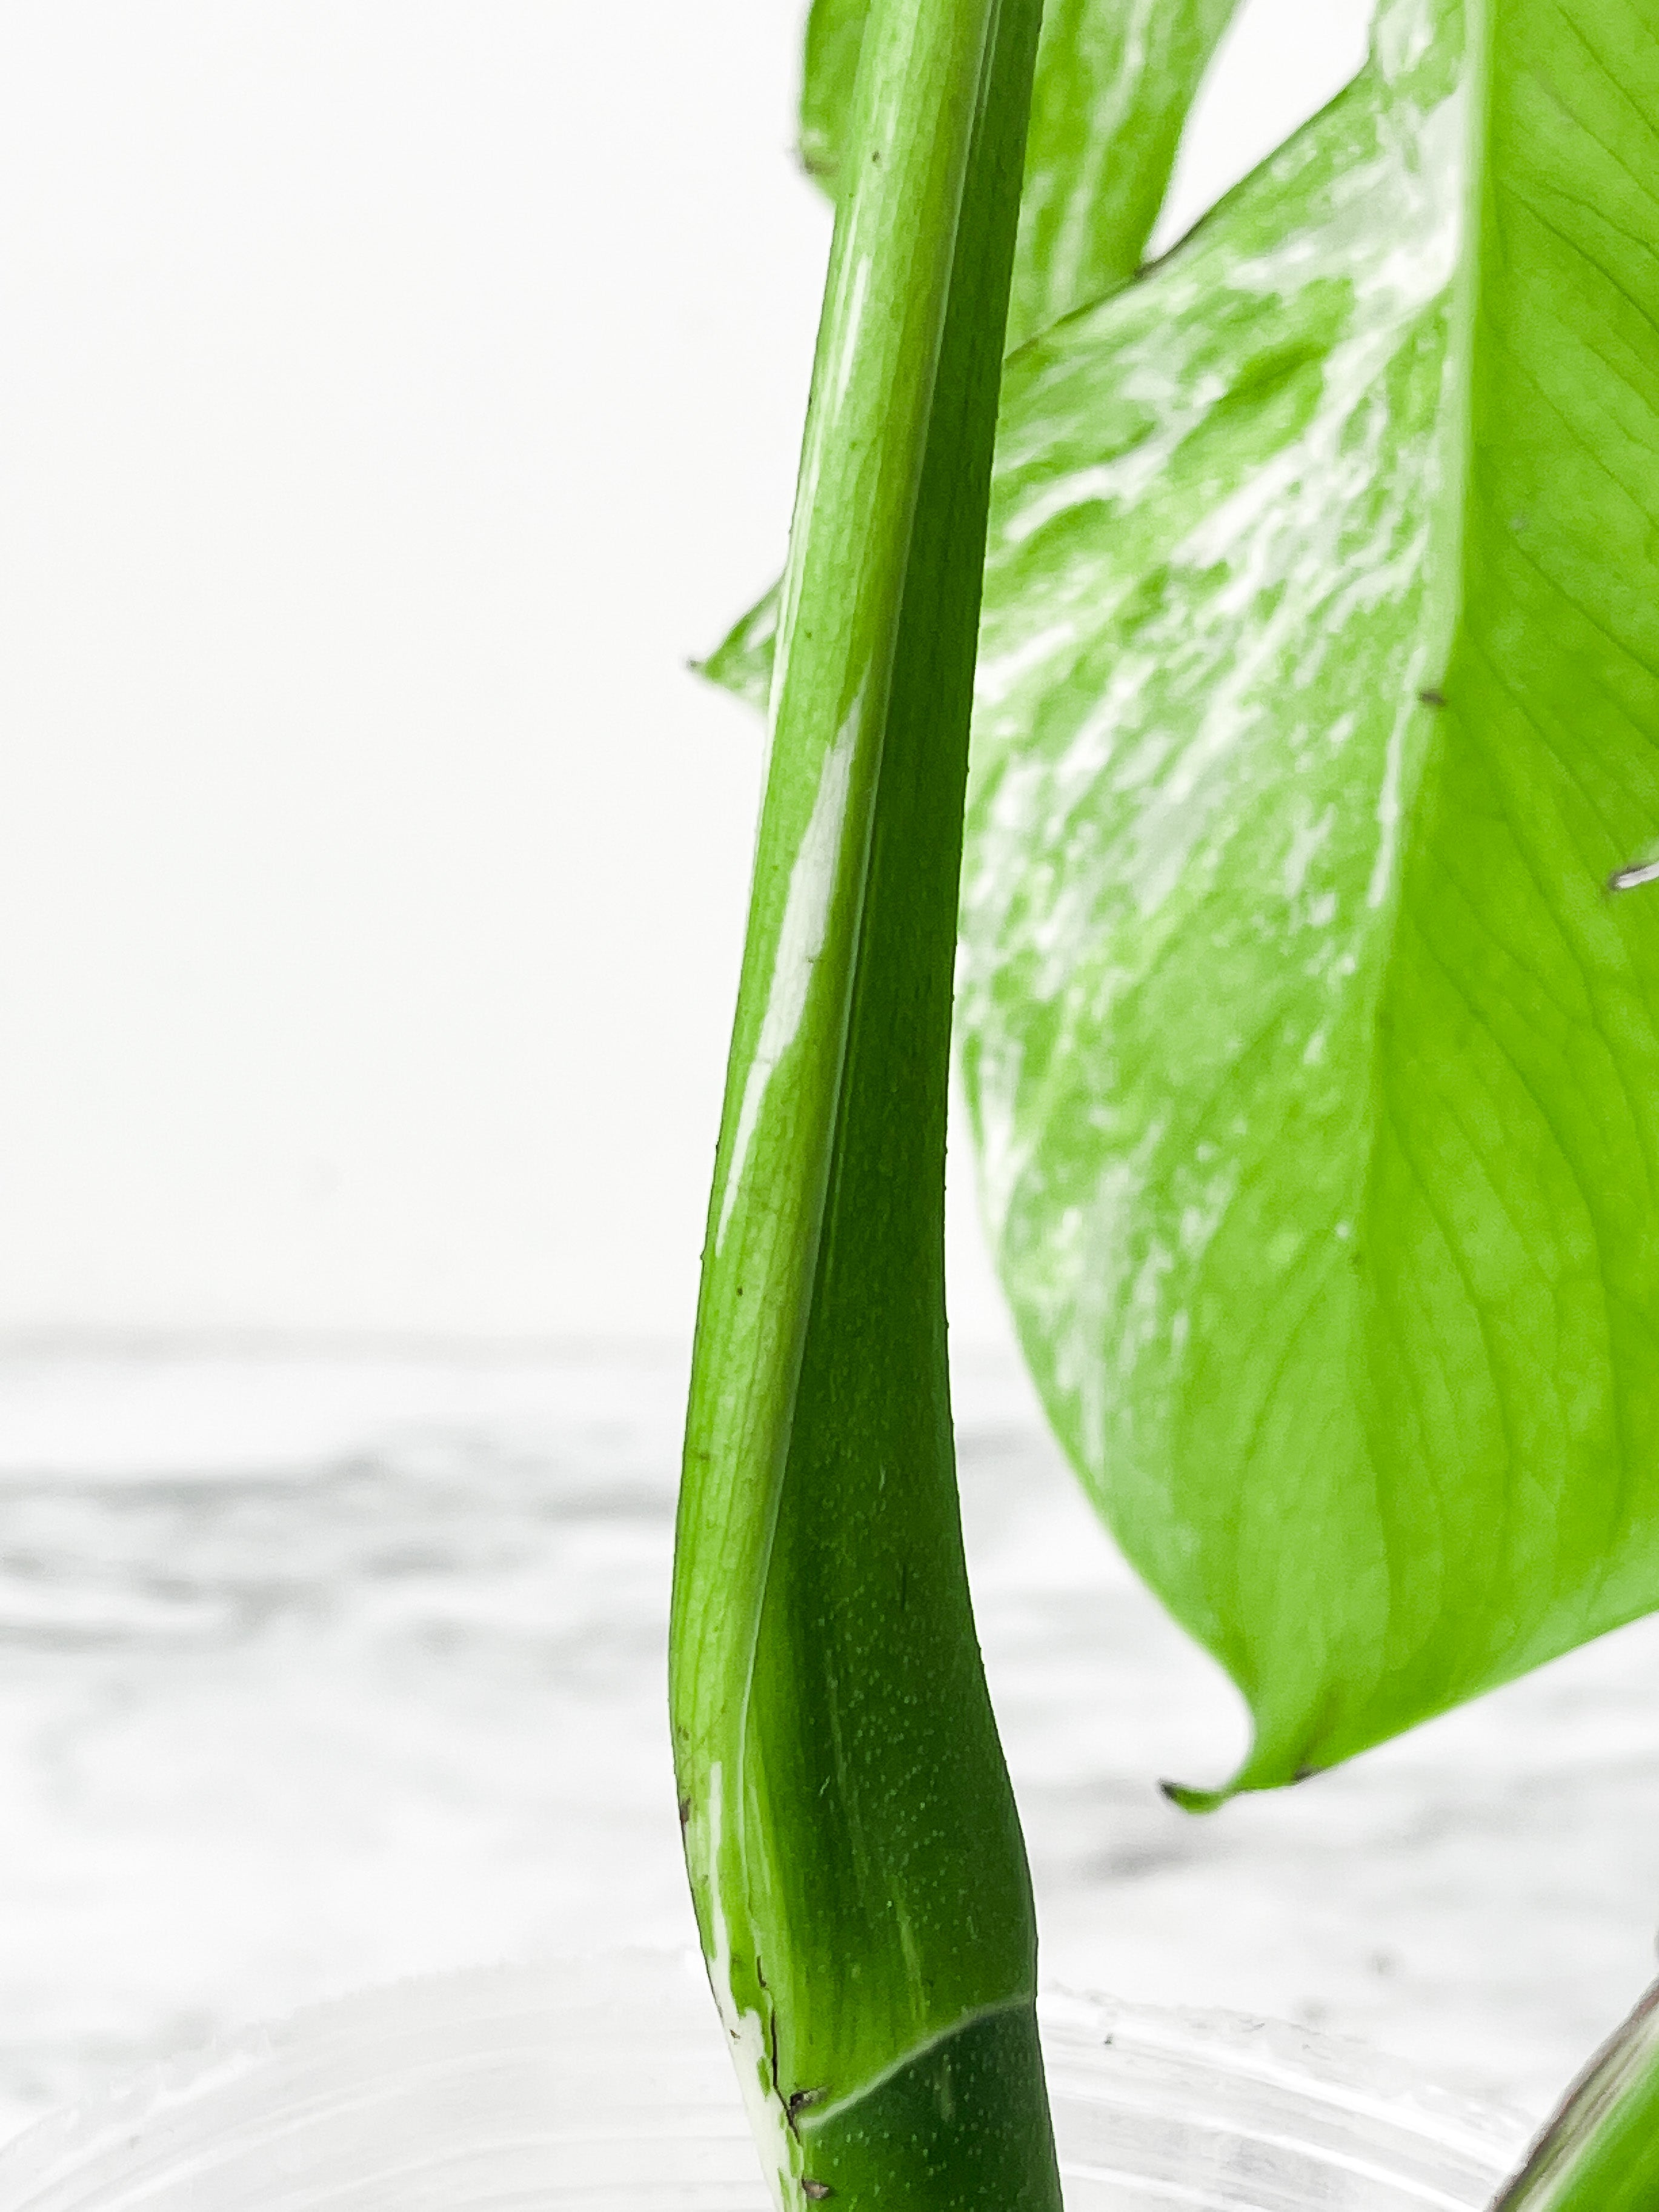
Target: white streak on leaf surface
{"type": "Point", "coordinates": [746, 2031]}
{"type": "Point", "coordinates": [806, 910]}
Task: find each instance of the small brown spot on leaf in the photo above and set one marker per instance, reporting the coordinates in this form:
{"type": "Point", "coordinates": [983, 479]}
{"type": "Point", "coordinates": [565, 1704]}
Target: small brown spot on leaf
{"type": "Point", "coordinates": [818, 2190]}
{"type": "Point", "coordinates": [797, 2103]}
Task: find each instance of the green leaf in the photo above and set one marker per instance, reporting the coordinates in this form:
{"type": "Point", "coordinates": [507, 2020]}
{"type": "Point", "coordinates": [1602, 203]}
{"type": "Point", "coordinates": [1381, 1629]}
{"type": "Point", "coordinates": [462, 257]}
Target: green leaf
{"type": "Point", "coordinates": [855, 1853]}
{"type": "Point", "coordinates": [1115, 81]}
{"type": "Point", "coordinates": [1316, 1069]}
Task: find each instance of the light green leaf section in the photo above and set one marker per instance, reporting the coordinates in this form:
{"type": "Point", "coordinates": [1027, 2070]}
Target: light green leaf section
{"type": "Point", "coordinates": [1115, 81]}
{"type": "Point", "coordinates": [835, 33]}
{"type": "Point", "coordinates": [1315, 1067]}
{"type": "Point", "coordinates": [742, 662]}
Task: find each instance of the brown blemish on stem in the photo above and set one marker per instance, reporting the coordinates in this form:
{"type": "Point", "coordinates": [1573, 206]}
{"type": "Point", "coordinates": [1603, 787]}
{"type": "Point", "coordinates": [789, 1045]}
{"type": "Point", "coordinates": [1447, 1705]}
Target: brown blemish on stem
{"type": "Point", "coordinates": [797, 2103]}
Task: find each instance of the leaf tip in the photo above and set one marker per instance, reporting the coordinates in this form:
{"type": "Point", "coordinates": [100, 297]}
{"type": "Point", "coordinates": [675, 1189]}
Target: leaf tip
{"type": "Point", "coordinates": [1195, 1800]}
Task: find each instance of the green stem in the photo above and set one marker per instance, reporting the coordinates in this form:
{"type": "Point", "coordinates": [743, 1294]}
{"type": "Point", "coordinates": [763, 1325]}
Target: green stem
{"type": "Point", "coordinates": [855, 1853]}
{"type": "Point", "coordinates": [1600, 2151]}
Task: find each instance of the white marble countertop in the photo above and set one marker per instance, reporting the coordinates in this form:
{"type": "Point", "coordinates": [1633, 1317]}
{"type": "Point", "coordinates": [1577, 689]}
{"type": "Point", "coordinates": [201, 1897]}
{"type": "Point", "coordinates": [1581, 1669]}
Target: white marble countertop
{"type": "Point", "coordinates": [322, 1670]}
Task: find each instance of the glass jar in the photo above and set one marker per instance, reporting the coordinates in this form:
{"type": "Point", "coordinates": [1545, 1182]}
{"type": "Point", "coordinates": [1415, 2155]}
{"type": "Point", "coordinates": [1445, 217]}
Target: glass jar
{"type": "Point", "coordinates": [602, 2085]}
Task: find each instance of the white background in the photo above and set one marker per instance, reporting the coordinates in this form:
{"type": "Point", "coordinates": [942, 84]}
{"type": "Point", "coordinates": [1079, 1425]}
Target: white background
{"type": "Point", "coordinates": [394, 393]}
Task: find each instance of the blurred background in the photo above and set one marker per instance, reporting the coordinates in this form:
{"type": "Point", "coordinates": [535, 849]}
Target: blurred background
{"type": "Point", "coordinates": [393, 398]}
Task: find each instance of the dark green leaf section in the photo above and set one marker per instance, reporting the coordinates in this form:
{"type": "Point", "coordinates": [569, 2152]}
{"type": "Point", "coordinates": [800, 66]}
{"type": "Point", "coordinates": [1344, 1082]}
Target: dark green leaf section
{"type": "Point", "coordinates": [854, 1851]}
{"type": "Point", "coordinates": [929, 2134]}
{"type": "Point", "coordinates": [1115, 81]}
{"type": "Point", "coordinates": [1315, 1068]}
{"type": "Point", "coordinates": [1600, 2151]}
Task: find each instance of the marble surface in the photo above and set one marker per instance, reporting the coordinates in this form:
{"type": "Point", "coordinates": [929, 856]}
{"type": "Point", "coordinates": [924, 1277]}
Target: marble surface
{"type": "Point", "coordinates": [323, 1669]}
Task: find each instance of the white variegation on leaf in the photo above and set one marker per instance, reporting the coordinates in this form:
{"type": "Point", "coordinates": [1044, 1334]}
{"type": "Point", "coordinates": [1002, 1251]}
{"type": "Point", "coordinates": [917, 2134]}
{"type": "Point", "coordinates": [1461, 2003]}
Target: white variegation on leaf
{"type": "Point", "coordinates": [1315, 1071]}
{"type": "Point", "coordinates": [1207, 629]}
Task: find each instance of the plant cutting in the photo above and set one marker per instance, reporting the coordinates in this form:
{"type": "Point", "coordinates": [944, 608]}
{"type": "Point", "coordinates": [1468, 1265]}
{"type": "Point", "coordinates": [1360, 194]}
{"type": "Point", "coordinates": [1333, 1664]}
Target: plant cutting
{"type": "Point", "coordinates": [1310, 1002]}
{"type": "Point", "coordinates": [855, 1857]}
